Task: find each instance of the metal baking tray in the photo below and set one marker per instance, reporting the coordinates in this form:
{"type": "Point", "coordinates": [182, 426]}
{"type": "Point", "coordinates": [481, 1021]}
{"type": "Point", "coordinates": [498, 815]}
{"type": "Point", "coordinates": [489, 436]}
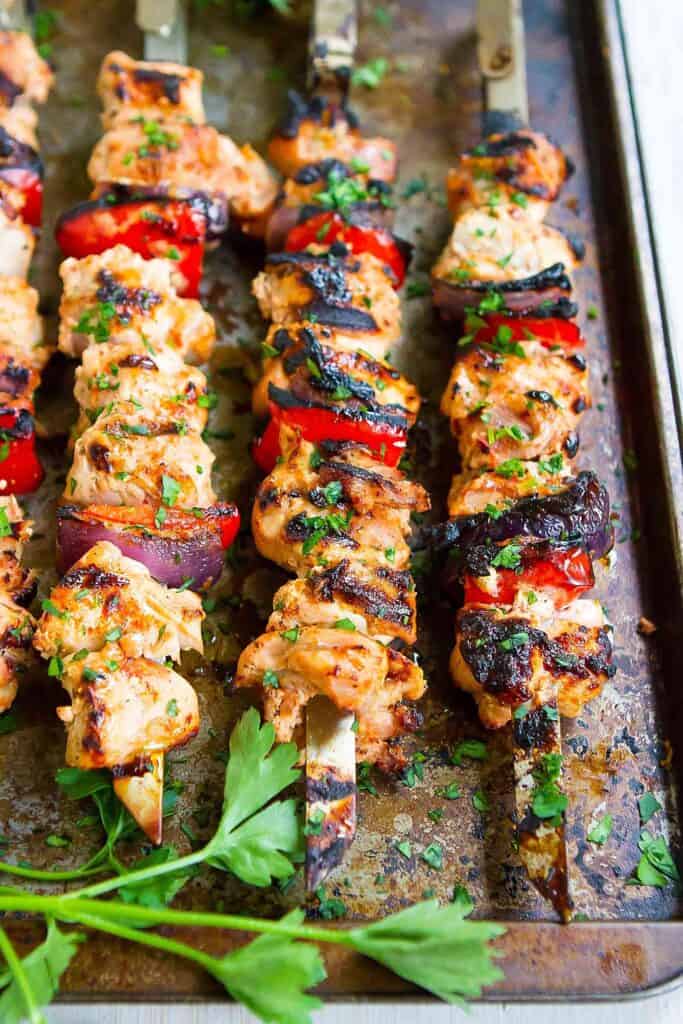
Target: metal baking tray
{"type": "Point", "coordinates": [629, 939]}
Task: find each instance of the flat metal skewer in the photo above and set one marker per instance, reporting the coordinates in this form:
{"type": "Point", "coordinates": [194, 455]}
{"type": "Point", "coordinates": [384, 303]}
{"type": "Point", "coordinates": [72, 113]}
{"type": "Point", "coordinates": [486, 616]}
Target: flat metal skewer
{"type": "Point", "coordinates": [536, 735]}
{"type": "Point", "coordinates": [331, 791]}
{"type": "Point", "coordinates": [164, 25]}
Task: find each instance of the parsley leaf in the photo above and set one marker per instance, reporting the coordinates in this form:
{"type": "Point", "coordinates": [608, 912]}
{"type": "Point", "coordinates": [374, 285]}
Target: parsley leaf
{"type": "Point", "coordinates": [601, 831]}
{"type": "Point", "coordinates": [434, 947]}
{"type": "Point", "coordinates": [31, 983]}
{"type": "Point", "coordinates": [270, 974]}
{"type": "Point", "coordinates": [475, 750]}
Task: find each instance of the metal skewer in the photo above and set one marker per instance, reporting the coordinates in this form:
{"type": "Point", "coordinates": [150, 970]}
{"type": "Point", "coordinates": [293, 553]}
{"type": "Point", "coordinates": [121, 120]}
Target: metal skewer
{"type": "Point", "coordinates": [537, 733]}
{"type": "Point", "coordinates": [164, 25]}
{"type": "Point", "coordinates": [331, 792]}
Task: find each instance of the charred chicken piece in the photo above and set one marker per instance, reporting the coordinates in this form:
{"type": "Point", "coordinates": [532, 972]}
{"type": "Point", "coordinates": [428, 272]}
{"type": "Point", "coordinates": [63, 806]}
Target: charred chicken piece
{"type": "Point", "coordinates": [16, 652]}
{"type": "Point", "coordinates": [506, 659]}
{"type": "Point", "coordinates": [375, 599]}
{"type": "Point", "coordinates": [181, 159]}
{"type": "Point", "coordinates": [157, 90]}
{"type": "Point", "coordinates": [522, 167]}
{"type": "Point", "coordinates": [333, 503]}
{"type": "Point", "coordinates": [106, 598]}
{"type": "Point", "coordinates": [16, 582]}
{"type": "Point", "coordinates": [501, 244]}
{"type": "Point", "coordinates": [316, 129]}
{"type": "Point", "coordinates": [122, 706]}
{"type": "Point", "coordinates": [127, 373]}
{"type": "Point", "coordinates": [118, 296]}
{"type": "Point", "coordinates": [514, 399]}
{"type": "Point", "coordinates": [24, 76]}
{"type": "Point", "coordinates": [357, 673]}
{"type": "Point", "coordinates": [16, 238]}
{"type": "Point", "coordinates": [21, 328]}
{"type": "Point", "coordinates": [312, 370]}
{"type": "Point", "coordinates": [352, 295]}
{"type": "Point", "coordinates": [129, 457]}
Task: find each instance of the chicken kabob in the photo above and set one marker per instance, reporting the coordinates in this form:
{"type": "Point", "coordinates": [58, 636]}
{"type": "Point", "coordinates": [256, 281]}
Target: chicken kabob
{"type": "Point", "coordinates": [334, 508]}
{"type": "Point", "coordinates": [25, 79]}
{"type": "Point", "coordinates": [140, 529]}
{"type": "Point", "coordinates": [525, 525]}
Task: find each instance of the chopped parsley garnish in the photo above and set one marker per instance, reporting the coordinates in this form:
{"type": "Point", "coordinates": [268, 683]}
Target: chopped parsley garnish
{"type": "Point", "coordinates": [601, 831]}
{"type": "Point", "coordinates": [475, 750]}
{"type": "Point", "coordinates": [170, 489]}
{"type": "Point", "coordinates": [271, 679]}
{"type": "Point", "coordinates": [433, 855]}
{"type": "Point", "coordinates": [508, 557]}
{"type": "Point", "coordinates": [548, 801]}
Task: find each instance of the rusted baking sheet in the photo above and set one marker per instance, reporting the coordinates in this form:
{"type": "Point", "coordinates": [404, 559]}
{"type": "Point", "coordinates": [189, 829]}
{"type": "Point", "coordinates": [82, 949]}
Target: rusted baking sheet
{"type": "Point", "coordinates": [626, 742]}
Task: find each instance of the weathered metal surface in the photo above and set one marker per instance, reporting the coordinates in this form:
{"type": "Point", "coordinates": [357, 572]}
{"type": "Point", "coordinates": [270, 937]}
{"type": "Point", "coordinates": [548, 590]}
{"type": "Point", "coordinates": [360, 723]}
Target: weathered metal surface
{"type": "Point", "coordinates": [430, 102]}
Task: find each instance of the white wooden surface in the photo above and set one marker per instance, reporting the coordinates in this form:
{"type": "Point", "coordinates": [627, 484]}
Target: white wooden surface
{"type": "Point", "coordinates": [654, 30]}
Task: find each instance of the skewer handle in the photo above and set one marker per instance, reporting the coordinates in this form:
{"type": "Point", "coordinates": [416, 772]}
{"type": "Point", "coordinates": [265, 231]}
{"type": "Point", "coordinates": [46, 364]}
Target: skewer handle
{"type": "Point", "coordinates": [502, 61]}
{"type": "Point", "coordinates": [332, 44]}
{"type": "Point", "coordinates": [537, 738]}
{"type": "Point", "coordinates": [164, 25]}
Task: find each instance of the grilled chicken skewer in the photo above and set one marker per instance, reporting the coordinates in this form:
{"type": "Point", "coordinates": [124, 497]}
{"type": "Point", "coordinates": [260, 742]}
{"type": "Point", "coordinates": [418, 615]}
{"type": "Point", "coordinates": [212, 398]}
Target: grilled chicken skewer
{"type": "Point", "coordinates": [140, 528]}
{"type": "Point", "coordinates": [25, 79]}
{"type": "Point", "coordinates": [524, 526]}
{"type": "Point", "coordinates": [333, 509]}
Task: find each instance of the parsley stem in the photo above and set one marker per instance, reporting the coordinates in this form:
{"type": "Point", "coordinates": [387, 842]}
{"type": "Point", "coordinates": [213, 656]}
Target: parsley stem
{"type": "Point", "coordinates": [145, 939]}
{"type": "Point", "coordinates": [95, 866]}
{"type": "Point", "coordinates": [142, 875]}
{"type": "Point", "coordinates": [17, 970]}
{"type": "Point", "coordinates": [70, 907]}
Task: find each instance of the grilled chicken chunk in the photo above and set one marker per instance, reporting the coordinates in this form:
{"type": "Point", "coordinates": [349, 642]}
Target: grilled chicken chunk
{"type": "Point", "coordinates": [352, 294]}
{"type": "Point", "coordinates": [16, 652]}
{"type": "Point", "coordinates": [182, 158]}
{"type": "Point", "coordinates": [501, 244]}
{"type": "Point", "coordinates": [315, 130]}
{"type": "Point", "coordinates": [122, 706]}
{"type": "Point", "coordinates": [522, 167]}
{"type": "Point", "coordinates": [312, 369]}
{"type": "Point", "coordinates": [156, 90]}
{"type": "Point", "coordinates": [514, 400]}
{"type": "Point", "coordinates": [506, 659]}
{"type": "Point", "coordinates": [357, 673]}
{"type": "Point", "coordinates": [332, 505]}
{"type": "Point", "coordinates": [18, 124]}
{"type": "Point", "coordinates": [16, 243]}
{"type": "Point", "coordinates": [24, 76]}
{"type": "Point", "coordinates": [16, 581]}
{"type": "Point", "coordinates": [119, 296]}
{"type": "Point", "coordinates": [21, 328]}
{"type": "Point", "coordinates": [472, 492]}
{"type": "Point", "coordinates": [113, 374]}
{"type": "Point", "coordinates": [129, 457]}
{"type": "Point", "coordinates": [106, 598]}
{"type": "Point", "coordinates": [374, 599]}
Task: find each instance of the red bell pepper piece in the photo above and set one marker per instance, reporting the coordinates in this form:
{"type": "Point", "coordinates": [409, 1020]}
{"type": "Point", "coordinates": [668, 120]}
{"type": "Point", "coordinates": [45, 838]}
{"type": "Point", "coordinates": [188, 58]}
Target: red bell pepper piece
{"type": "Point", "coordinates": [386, 442]}
{"type": "Point", "coordinates": [550, 331]}
{"type": "Point", "coordinates": [20, 468]}
{"type": "Point", "coordinates": [28, 181]}
{"type": "Point", "coordinates": [328, 227]}
{"type": "Point", "coordinates": [559, 573]}
{"type": "Point", "coordinates": [152, 227]}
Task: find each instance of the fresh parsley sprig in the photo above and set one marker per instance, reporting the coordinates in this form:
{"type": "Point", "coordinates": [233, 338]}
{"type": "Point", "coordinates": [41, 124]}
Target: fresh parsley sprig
{"type": "Point", "coordinates": [258, 839]}
{"type": "Point", "coordinates": [435, 947]}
